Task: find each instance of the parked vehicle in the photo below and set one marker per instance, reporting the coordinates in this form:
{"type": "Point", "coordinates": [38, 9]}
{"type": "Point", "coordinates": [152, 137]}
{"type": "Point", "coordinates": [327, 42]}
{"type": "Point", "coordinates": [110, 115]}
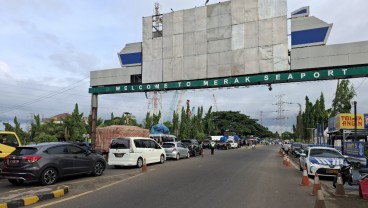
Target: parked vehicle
{"type": "Point", "coordinates": [131, 151]}
{"type": "Point", "coordinates": [176, 150]}
{"type": "Point", "coordinates": [47, 162]}
{"type": "Point", "coordinates": [326, 161]}
{"type": "Point", "coordinates": [347, 175]}
{"type": "Point", "coordinates": [8, 142]}
{"type": "Point", "coordinates": [232, 143]}
{"type": "Point", "coordinates": [296, 149]}
{"type": "Point", "coordinates": [104, 135]}
{"type": "Point", "coordinates": [206, 144]}
{"type": "Point", "coordinates": [193, 146]}
{"type": "Point", "coordinates": [223, 145]}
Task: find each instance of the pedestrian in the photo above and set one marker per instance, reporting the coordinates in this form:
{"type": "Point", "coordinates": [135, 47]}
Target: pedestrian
{"type": "Point", "coordinates": [213, 144]}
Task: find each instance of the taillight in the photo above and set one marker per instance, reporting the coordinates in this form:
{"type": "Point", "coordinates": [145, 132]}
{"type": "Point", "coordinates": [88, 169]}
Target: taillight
{"type": "Point", "coordinates": [174, 149]}
{"type": "Point", "coordinates": [31, 159]}
{"type": "Point", "coordinates": [6, 158]}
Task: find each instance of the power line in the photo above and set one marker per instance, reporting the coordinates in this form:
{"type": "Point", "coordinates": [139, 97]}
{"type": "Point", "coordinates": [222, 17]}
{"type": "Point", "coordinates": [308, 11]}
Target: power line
{"type": "Point", "coordinates": [44, 97]}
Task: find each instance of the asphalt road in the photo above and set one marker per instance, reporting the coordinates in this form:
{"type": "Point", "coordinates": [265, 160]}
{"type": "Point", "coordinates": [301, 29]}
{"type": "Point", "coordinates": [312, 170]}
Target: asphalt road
{"type": "Point", "coordinates": [232, 178]}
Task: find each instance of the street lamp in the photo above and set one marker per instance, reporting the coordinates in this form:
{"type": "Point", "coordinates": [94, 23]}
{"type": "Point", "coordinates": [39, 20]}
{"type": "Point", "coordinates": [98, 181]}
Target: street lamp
{"type": "Point", "coordinates": [355, 121]}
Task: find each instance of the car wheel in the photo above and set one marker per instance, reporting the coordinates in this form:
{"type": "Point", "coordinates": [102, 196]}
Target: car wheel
{"type": "Point", "coordinates": [177, 157]}
{"type": "Point", "coordinates": [48, 176]}
{"type": "Point", "coordinates": [139, 162]}
{"type": "Point", "coordinates": [188, 155]}
{"type": "Point", "coordinates": [98, 169]}
{"type": "Point", "coordinates": [162, 159]}
{"type": "Point", "coordinates": [16, 181]}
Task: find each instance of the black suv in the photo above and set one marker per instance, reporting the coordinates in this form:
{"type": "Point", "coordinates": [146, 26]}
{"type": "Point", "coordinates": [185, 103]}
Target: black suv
{"type": "Point", "coordinates": [47, 162]}
{"type": "Point", "coordinates": [193, 146]}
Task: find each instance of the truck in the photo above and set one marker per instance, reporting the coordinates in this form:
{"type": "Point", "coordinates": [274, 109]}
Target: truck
{"type": "Point", "coordinates": [104, 135]}
{"type": "Point", "coordinates": [8, 142]}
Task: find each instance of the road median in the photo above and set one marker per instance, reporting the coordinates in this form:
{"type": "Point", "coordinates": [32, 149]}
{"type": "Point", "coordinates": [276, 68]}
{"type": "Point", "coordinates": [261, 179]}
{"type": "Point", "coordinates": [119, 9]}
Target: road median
{"type": "Point", "coordinates": [32, 199]}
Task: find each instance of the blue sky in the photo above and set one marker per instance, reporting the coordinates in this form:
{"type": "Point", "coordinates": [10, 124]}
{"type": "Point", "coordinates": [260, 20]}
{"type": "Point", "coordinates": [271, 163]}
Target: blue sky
{"type": "Point", "coordinates": [48, 48]}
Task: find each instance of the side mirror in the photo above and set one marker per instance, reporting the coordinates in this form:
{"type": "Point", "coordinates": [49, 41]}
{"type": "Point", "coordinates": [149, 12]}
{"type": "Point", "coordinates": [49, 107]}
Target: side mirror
{"type": "Point", "coordinates": [88, 152]}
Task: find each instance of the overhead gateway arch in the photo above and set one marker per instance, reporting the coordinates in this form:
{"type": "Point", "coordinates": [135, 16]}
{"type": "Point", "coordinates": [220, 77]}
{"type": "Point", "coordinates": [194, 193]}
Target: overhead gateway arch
{"type": "Point", "coordinates": [232, 43]}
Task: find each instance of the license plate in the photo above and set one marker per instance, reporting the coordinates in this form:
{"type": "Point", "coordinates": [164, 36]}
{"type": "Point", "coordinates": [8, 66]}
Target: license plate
{"type": "Point", "coordinates": [119, 154]}
{"type": "Point", "coordinates": [13, 162]}
{"type": "Point", "coordinates": [332, 171]}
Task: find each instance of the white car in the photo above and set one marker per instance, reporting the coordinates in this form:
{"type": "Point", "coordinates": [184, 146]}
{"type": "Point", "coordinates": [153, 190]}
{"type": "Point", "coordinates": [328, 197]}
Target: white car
{"type": "Point", "coordinates": [131, 151]}
{"type": "Point", "coordinates": [326, 161]}
{"type": "Point", "coordinates": [233, 143]}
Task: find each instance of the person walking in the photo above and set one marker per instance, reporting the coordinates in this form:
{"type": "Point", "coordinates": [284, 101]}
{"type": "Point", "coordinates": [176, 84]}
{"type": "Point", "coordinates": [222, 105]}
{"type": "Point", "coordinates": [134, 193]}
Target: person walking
{"type": "Point", "coordinates": [212, 144]}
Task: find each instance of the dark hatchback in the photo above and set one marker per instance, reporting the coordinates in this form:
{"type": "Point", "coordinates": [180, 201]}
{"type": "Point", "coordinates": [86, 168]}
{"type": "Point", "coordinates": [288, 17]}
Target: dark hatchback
{"type": "Point", "coordinates": [47, 162]}
{"type": "Point", "coordinates": [193, 146]}
{"type": "Point", "coordinates": [206, 144]}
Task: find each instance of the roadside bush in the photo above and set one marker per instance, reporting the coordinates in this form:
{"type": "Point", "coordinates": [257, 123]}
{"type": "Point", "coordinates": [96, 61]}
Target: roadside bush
{"type": "Point", "coordinates": [43, 137]}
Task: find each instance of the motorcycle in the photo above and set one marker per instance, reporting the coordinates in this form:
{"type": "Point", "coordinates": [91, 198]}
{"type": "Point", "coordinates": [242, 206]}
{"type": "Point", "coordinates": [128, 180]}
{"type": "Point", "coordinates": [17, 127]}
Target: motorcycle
{"type": "Point", "coordinates": [347, 175]}
{"type": "Point", "coordinates": [253, 146]}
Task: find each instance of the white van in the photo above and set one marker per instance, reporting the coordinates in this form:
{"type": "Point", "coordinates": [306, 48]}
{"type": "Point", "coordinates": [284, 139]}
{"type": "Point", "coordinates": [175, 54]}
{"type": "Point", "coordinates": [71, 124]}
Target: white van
{"type": "Point", "coordinates": [130, 151]}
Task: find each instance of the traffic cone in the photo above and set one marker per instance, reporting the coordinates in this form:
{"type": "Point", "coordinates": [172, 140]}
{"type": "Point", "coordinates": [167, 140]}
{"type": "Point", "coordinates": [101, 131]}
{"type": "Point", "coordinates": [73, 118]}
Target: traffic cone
{"type": "Point", "coordinates": [144, 166]}
{"type": "Point", "coordinates": [320, 200]}
{"type": "Point", "coordinates": [339, 191]}
{"type": "Point", "coordinates": [288, 164]}
{"type": "Point", "coordinates": [305, 179]}
{"type": "Point", "coordinates": [316, 185]}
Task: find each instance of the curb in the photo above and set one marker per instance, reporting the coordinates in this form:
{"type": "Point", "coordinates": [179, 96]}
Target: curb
{"type": "Point", "coordinates": [34, 199]}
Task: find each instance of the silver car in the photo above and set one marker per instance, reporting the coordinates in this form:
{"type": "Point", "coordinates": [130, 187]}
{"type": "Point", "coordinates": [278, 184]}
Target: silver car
{"type": "Point", "coordinates": [176, 150]}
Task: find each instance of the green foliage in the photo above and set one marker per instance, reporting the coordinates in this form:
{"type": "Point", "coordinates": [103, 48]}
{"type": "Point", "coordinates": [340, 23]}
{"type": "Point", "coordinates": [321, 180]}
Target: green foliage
{"type": "Point", "coordinates": [156, 118]}
{"type": "Point", "coordinates": [44, 137]}
{"type": "Point", "coordinates": [175, 124]}
{"type": "Point", "coordinates": [75, 126]}
{"type": "Point", "coordinates": [342, 101]}
{"type": "Point", "coordinates": [242, 124]}
{"type": "Point", "coordinates": [148, 123]}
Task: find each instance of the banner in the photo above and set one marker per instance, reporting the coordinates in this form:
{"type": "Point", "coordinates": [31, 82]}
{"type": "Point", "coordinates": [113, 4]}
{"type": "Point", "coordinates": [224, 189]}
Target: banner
{"type": "Point", "coordinates": [354, 149]}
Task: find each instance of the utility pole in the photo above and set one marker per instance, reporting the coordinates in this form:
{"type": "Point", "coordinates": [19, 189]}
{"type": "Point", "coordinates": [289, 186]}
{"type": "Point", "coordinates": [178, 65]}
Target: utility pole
{"type": "Point", "coordinates": [280, 113]}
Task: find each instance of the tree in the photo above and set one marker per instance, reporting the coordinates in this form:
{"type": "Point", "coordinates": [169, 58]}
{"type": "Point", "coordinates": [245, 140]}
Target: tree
{"type": "Point", "coordinates": [156, 118]}
{"type": "Point", "coordinates": [75, 125]}
{"type": "Point", "coordinates": [175, 123]}
{"type": "Point", "coordinates": [342, 101]}
{"type": "Point", "coordinates": [148, 122]}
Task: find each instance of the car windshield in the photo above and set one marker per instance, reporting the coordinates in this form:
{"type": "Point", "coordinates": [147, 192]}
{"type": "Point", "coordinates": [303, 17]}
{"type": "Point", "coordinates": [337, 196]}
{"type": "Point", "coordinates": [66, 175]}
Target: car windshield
{"type": "Point", "coordinates": [168, 145]}
{"type": "Point", "coordinates": [24, 151]}
{"type": "Point", "coordinates": [324, 153]}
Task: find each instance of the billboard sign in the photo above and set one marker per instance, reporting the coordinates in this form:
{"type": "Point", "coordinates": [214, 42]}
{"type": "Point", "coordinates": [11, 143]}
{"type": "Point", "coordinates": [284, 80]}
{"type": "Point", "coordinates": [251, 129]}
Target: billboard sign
{"type": "Point", "coordinates": [366, 121]}
{"type": "Point", "coordinates": [347, 121]}
{"type": "Point", "coordinates": [354, 149]}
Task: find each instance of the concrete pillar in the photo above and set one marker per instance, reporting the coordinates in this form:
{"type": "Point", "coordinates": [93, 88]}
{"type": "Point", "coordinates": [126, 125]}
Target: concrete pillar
{"type": "Point", "coordinates": [94, 105]}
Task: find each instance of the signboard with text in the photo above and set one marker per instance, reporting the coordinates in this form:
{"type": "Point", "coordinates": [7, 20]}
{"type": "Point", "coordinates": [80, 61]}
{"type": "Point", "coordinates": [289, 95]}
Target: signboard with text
{"type": "Point", "coordinates": [347, 121]}
{"type": "Point", "coordinates": [355, 149]}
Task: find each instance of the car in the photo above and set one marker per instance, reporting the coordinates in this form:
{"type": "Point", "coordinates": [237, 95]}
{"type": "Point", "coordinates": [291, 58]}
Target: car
{"type": "Point", "coordinates": [132, 151]}
{"type": "Point", "coordinates": [193, 146]}
{"type": "Point", "coordinates": [176, 150]}
{"type": "Point", "coordinates": [296, 149]}
{"type": "Point", "coordinates": [233, 143]}
{"type": "Point", "coordinates": [47, 162]}
{"type": "Point", "coordinates": [325, 161]}
{"type": "Point", "coordinates": [206, 144]}
{"type": "Point", "coordinates": [223, 145]}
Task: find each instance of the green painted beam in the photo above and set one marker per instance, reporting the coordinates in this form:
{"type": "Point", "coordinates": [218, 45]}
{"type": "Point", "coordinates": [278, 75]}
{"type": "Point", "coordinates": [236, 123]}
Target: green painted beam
{"type": "Point", "coordinates": [270, 78]}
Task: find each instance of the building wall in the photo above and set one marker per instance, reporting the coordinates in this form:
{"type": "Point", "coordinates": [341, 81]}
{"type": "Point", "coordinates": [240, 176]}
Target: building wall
{"type": "Point", "coordinates": [230, 38]}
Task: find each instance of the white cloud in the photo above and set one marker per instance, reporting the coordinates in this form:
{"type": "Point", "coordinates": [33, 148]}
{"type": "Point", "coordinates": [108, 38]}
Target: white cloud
{"type": "Point", "coordinates": [55, 43]}
{"type": "Point", "coordinates": [5, 70]}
